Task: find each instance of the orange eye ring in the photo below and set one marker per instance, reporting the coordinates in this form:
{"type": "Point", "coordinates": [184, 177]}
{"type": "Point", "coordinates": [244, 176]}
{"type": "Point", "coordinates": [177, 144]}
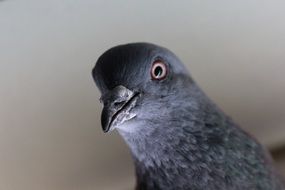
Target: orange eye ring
{"type": "Point", "coordinates": [158, 70]}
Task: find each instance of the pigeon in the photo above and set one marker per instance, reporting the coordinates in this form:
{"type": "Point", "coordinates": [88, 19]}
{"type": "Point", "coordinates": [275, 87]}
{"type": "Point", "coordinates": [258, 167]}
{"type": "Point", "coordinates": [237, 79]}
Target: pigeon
{"type": "Point", "coordinates": [178, 138]}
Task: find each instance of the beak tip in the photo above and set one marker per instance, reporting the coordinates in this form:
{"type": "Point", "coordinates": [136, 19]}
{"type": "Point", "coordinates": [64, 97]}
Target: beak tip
{"type": "Point", "coordinates": [105, 126]}
{"type": "Point", "coordinates": [105, 120]}
{"type": "Point", "coordinates": [105, 129]}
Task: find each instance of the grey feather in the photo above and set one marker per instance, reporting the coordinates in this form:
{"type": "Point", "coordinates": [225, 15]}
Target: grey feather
{"type": "Point", "coordinates": [179, 139]}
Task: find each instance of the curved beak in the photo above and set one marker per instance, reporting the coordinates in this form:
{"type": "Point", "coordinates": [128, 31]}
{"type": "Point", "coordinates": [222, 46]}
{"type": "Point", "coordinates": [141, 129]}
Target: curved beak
{"type": "Point", "coordinates": [117, 105]}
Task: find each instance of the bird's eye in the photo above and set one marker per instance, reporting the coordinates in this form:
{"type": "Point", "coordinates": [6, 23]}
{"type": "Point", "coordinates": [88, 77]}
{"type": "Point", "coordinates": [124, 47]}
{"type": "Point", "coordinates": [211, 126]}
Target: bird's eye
{"type": "Point", "coordinates": [158, 70]}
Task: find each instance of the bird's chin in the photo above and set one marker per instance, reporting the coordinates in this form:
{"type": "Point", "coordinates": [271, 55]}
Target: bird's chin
{"type": "Point", "coordinates": [128, 127]}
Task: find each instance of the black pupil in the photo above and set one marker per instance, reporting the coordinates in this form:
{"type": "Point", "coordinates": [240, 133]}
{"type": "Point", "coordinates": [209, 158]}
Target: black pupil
{"type": "Point", "coordinates": [158, 71]}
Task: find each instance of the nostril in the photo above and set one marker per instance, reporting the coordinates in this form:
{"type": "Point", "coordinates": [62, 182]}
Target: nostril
{"type": "Point", "coordinates": [119, 103]}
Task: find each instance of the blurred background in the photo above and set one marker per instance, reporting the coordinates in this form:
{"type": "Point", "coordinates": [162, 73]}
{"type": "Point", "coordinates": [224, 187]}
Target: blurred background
{"type": "Point", "coordinates": [50, 133]}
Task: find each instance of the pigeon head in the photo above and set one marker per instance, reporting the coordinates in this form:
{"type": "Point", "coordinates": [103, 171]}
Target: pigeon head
{"type": "Point", "coordinates": [139, 83]}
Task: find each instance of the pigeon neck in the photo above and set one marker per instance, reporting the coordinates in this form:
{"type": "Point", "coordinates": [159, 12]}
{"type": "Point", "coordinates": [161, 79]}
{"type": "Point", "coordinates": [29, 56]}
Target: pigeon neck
{"type": "Point", "coordinates": [180, 159]}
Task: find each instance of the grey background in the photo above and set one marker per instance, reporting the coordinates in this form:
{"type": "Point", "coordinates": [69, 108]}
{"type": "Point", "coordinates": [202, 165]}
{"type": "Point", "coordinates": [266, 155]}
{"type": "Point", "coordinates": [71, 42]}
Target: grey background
{"type": "Point", "coordinates": [50, 134]}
